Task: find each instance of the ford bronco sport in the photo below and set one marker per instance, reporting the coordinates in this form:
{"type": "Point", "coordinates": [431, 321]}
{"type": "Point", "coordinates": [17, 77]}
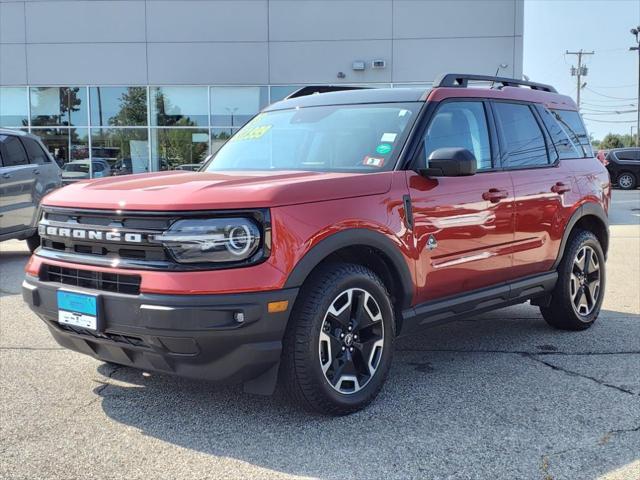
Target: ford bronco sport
{"type": "Point", "coordinates": [328, 226]}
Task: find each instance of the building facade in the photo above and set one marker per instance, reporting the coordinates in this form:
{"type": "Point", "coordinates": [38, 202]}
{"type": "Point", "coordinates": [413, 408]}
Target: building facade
{"type": "Point", "coordinates": [147, 85]}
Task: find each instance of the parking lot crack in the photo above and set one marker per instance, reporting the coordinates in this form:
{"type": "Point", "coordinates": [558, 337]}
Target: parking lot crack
{"type": "Point", "coordinates": [576, 374]}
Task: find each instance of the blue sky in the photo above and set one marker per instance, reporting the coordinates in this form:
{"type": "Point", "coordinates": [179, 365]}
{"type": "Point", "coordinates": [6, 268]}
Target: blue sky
{"type": "Point", "coordinates": [553, 26]}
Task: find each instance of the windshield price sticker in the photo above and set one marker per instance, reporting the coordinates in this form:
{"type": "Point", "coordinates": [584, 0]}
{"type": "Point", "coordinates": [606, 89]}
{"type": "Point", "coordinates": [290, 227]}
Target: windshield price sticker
{"type": "Point", "coordinates": [373, 161]}
{"type": "Point", "coordinates": [252, 133]}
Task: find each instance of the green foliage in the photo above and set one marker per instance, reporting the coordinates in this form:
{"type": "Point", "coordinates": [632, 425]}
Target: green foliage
{"type": "Point", "coordinates": [612, 140]}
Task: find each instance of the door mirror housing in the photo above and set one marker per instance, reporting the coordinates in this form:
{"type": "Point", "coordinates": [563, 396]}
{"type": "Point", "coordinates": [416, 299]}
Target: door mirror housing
{"type": "Point", "coordinates": [450, 162]}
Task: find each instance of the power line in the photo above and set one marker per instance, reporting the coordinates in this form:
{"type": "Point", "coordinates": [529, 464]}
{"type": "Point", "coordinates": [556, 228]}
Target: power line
{"type": "Point", "coordinates": [609, 96]}
{"type": "Point", "coordinates": [608, 121]}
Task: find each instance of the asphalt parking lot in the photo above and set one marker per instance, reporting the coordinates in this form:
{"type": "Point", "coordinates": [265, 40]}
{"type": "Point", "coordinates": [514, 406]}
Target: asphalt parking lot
{"type": "Point", "coordinates": [499, 396]}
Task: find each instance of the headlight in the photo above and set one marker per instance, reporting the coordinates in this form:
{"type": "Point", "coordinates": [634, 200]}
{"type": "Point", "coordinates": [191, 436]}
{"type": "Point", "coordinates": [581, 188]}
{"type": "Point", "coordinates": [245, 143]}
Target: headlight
{"type": "Point", "coordinates": [215, 240]}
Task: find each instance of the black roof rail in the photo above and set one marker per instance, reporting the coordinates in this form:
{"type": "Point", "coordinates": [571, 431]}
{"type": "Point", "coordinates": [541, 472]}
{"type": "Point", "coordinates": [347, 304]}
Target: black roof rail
{"type": "Point", "coordinates": [462, 79]}
{"type": "Point", "coordinates": [313, 89]}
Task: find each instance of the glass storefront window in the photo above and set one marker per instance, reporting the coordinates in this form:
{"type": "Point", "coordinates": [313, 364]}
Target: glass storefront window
{"type": "Point", "coordinates": [70, 149]}
{"type": "Point", "coordinates": [219, 137]}
{"type": "Point", "coordinates": [14, 109]}
{"type": "Point", "coordinates": [235, 106]}
{"type": "Point", "coordinates": [279, 92]}
{"type": "Point", "coordinates": [125, 150]}
{"type": "Point", "coordinates": [179, 106]}
{"type": "Point", "coordinates": [58, 106]}
{"type": "Point", "coordinates": [118, 106]}
{"type": "Point", "coordinates": [178, 148]}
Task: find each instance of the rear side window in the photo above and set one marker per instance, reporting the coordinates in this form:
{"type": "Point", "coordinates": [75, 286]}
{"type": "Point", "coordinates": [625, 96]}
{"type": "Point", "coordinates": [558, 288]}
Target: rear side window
{"type": "Point", "coordinates": [35, 151]}
{"type": "Point", "coordinates": [459, 125]}
{"type": "Point", "coordinates": [572, 123]}
{"type": "Point", "coordinates": [523, 141]}
{"type": "Point", "coordinates": [559, 136]}
{"type": "Point", "coordinates": [628, 155]}
{"type": "Point", "coordinates": [13, 151]}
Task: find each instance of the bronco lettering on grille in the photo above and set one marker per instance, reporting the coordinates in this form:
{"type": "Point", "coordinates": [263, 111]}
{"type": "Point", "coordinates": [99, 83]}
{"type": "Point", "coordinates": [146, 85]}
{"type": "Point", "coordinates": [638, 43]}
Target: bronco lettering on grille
{"type": "Point", "coordinates": [82, 234]}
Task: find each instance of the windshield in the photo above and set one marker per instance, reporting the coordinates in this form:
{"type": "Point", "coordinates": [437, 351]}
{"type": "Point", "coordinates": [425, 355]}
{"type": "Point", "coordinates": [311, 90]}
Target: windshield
{"type": "Point", "coordinates": [352, 138]}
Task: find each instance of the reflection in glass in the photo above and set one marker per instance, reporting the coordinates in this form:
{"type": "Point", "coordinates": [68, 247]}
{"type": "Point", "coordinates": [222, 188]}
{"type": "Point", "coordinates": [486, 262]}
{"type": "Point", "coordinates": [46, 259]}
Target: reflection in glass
{"type": "Point", "coordinates": [172, 148]}
{"type": "Point", "coordinates": [58, 106]}
{"type": "Point", "coordinates": [118, 106]}
{"type": "Point", "coordinates": [219, 137]}
{"type": "Point", "coordinates": [14, 110]}
{"type": "Point", "coordinates": [235, 106]}
{"type": "Point", "coordinates": [126, 150]}
{"type": "Point", "coordinates": [179, 106]}
{"type": "Point", "coordinates": [70, 149]}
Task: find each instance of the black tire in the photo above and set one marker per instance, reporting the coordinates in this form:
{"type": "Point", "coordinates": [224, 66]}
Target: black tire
{"type": "Point", "coordinates": [627, 181]}
{"type": "Point", "coordinates": [302, 374]}
{"type": "Point", "coordinates": [33, 242]}
{"type": "Point", "coordinates": [563, 312]}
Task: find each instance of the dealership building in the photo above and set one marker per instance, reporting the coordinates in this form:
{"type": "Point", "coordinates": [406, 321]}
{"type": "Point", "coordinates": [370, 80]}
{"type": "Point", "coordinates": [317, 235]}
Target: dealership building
{"type": "Point", "coordinates": [147, 85]}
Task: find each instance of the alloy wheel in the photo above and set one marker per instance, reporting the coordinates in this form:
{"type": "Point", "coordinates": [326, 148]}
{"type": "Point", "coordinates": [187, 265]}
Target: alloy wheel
{"type": "Point", "coordinates": [585, 281]}
{"type": "Point", "coordinates": [625, 180]}
{"type": "Point", "coordinates": [351, 340]}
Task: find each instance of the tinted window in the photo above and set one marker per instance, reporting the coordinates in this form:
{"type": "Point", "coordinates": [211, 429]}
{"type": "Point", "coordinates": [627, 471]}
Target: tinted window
{"type": "Point", "coordinates": [559, 136]}
{"type": "Point", "coordinates": [572, 123]}
{"type": "Point", "coordinates": [524, 142]}
{"type": "Point", "coordinates": [459, 125]}
{"type": "Point", "coordinates": [35, 152]}
{"type": "Point", "coordinates": [629, 155]}
{"type": "Point", "coordinates": [14, 153]}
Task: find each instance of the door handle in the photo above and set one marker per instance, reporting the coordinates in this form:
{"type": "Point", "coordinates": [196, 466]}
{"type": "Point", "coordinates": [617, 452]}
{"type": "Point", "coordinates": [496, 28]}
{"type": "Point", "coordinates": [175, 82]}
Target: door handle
{"type": "Point", "coordinates": [560, 188]}
{"type": "Point", "coordinates": [6, 175]}
{"type": "Point", "coordinates": [494, 195]}
{"type": "Point", "coordinates": [37, 172]}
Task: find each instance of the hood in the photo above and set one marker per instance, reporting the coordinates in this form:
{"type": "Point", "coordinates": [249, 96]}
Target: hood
{"type": "Point", "coordinates": [166, 191]}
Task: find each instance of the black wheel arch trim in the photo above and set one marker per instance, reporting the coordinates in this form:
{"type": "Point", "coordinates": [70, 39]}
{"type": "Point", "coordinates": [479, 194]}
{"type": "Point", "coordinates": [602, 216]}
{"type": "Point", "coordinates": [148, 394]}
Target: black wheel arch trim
{"type": "Point", "coordinates": [349, 238]}
{"type": "Point", "coordinates": [584, 210]}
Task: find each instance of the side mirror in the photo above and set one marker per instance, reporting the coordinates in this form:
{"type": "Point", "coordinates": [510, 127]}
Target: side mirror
{"type": "Point", "coordinates": [450, 162]}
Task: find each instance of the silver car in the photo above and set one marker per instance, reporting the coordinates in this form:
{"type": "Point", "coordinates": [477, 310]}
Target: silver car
{"type": "Point", "coordinates": [27, 173]}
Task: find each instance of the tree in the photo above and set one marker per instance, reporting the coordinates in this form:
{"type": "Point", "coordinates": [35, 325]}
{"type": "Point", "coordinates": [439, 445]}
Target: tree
{"type": "Point", "coordinates": [133, 108]}
{"type": "Point", "coordinates": [612, 140]}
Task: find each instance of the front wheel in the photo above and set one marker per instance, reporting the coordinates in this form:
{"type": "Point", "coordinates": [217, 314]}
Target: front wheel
{"type": "Point", "coordinates": [338, 346]}
{"type": "Point", "coordinates": [577, 297]}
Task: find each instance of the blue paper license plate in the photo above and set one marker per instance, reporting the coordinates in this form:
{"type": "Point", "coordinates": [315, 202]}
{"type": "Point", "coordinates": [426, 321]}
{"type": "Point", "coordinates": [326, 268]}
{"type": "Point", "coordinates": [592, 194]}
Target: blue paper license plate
{"type": "Point", "coordinates": [78, 309]}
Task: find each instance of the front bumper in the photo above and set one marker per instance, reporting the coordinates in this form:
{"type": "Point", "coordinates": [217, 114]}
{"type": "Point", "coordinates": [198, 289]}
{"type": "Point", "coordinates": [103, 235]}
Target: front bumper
{"type": "Point", "coordinates": [195, 336]}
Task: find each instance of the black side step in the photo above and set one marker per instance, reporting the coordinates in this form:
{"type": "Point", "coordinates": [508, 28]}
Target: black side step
{"type": "Point", "coordinates": [475, 302]}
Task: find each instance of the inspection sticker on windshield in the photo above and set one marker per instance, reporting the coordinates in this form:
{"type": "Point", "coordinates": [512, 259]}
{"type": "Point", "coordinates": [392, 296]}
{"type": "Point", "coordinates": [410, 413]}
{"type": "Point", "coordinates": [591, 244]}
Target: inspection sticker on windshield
{"type": "Point", "coordinates": [383, 148]}
{"type": "Point", "coordinates": [389, 137]}
{"type": "Point", "coordinates": [252, 133]}
{"type": "Point", "coordinates": [373, 161]}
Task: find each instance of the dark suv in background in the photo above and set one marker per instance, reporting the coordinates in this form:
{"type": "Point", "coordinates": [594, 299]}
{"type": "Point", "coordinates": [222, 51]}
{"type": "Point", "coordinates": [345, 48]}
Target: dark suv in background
{"type": "Point", "coordinates": [27, 173]}
{"type": "Point", "coordinates": [624, 167]}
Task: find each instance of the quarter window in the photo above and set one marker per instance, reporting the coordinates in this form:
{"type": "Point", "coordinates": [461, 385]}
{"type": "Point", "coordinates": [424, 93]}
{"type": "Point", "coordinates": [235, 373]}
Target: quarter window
{"type": "Point", "coordinates": [559, 136]}
{"type": "Point", "coordinates": [523, 141]}
{"type": "Point", "coordinates": [459, 125]}
{"type": "Point", "coordinates": [572, 123]}
{"type": "Point", "coordinates": [14, 153]}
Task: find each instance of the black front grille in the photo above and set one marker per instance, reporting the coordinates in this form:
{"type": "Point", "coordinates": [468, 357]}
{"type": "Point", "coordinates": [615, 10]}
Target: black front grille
{"type": "Point", "coordinates": [109, 282]}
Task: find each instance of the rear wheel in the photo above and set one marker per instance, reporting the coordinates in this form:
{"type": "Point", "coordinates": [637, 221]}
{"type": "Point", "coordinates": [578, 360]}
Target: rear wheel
{"type": "Point", "coordinates": [627, 181]}
{"type": "Point", "coordinates": [577, 297]}
{"type": "Point", "coordinates": [338, 347]}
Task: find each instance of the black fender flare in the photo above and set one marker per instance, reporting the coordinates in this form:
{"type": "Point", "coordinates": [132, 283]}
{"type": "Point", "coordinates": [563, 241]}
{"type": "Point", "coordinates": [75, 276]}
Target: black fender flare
{"type": "Point", "coordinates": [348, 238]}
{"type": "Point", "coordinates": [584, 210]}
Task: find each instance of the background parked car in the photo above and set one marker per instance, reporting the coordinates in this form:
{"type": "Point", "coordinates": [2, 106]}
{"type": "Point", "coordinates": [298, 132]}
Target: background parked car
{"type": "Point", "coordinates": [624, 167]}
{"type": "Point", "coordinates": [27, 173]}
{"type": "Point", "coordinates": [80, 170]}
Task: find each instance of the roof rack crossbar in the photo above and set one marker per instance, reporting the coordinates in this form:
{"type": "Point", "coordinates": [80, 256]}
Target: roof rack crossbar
{"type": "Point", "coordinates": [313, 89]}
{"type": "Point", "coordinates": [462, 80]}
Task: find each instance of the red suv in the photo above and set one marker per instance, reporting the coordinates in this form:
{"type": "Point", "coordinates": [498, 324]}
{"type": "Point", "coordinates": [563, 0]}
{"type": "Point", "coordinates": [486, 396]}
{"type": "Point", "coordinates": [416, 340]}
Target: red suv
{"type": "Point", "coordinates": [328, 226]}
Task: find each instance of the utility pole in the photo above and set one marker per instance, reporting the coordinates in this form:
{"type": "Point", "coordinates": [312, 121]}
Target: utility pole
{"type": "Point", "coordinates": [579, 72]}
{"type": "Point", "coordinates": [636, 32]}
